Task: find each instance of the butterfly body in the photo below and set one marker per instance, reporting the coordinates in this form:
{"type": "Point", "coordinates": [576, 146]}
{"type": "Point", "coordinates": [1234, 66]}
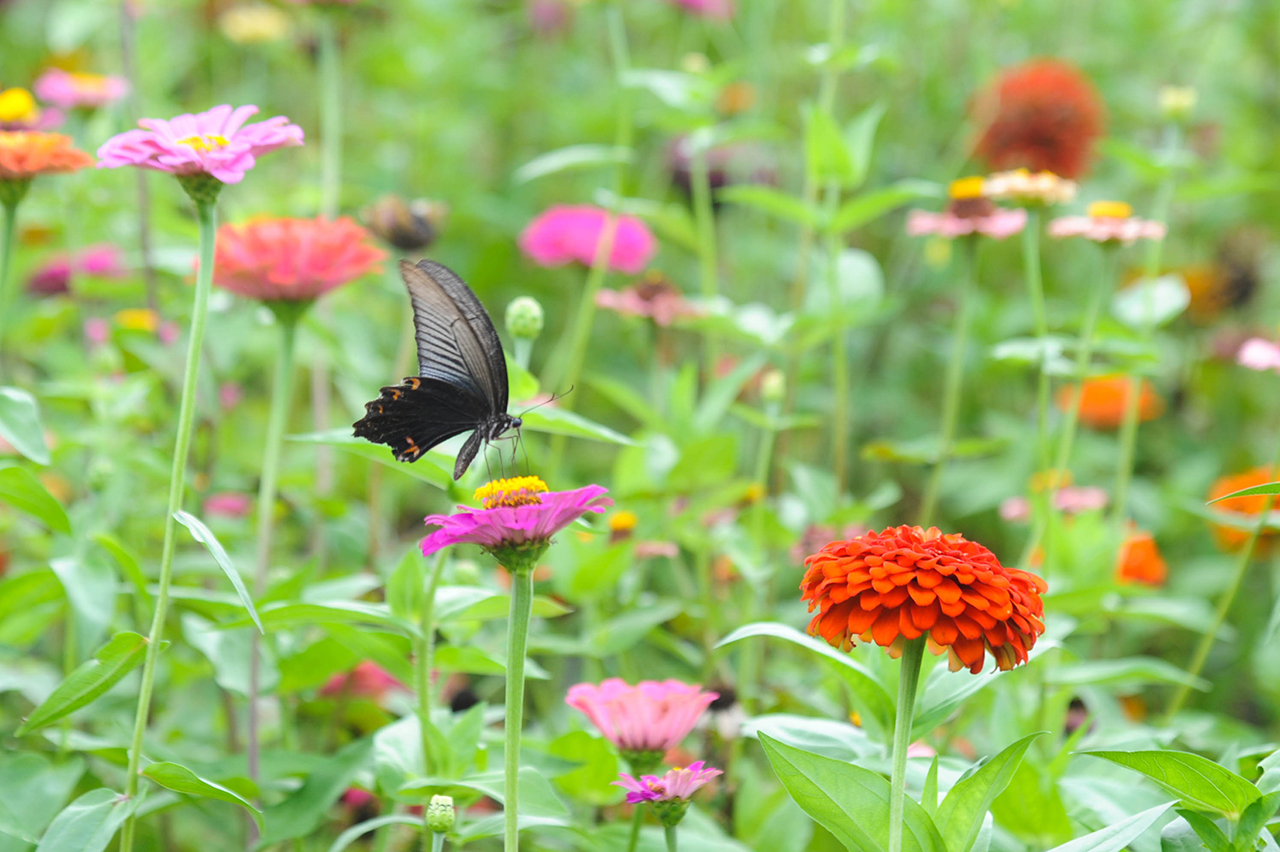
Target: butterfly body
{"type": "Point", "coordinates": [461, 384]}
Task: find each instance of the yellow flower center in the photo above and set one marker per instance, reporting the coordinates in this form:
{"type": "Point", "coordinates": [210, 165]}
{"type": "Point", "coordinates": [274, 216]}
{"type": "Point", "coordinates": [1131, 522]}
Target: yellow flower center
{"type": "Point", "coordinates": [90, 82]}
{"type": "Point", "coordinates": [18, 105]}
{"type": "Point", "coordinates": [1045, 480]}
{"type": "Point", "coordinates": [967, 187]}
{"type": "Point", "coordinates": [204, 143]}
{"type": "Point", "coordinates": [517, 491]}
{"type": "Point", "coordinates": [1109, 210]}
{"type": "Point", "coordinates": [623, 521]}
{"type": "Point", "coordinates": [138, 319]}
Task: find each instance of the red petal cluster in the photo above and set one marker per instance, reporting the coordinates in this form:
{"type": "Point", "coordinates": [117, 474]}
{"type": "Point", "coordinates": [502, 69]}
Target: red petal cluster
{"type": "Point", "coordinates": [292, 259]}
{"type": "Point", "coordinates": [1043, 115]}
{"type": "Point", "coordinates": [906, 582]}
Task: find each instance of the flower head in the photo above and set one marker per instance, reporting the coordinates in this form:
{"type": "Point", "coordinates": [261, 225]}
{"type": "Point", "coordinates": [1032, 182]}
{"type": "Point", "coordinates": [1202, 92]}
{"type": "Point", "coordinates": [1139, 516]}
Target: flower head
{"type": "Point", "coordinates": [54, 277]}
{"type": "Point", "coordinates": [653, 296]}
{"type": "Point", "coordinates": [968, 212]}
{"type": "Point", "coordinates": [1022, 186]}
{"type": "Point", "coordinates": [1103, 401]}
{"type": "Point", "coordinates": [651, 717]}
{"type": "Point", "coordinates": [1043, 115]}
{"type": "Point", "coordinates": [1230, 538]}
{"type": "Point", "coordinates": [366, 679]}
{"type": "Point", "coordinates": [906, 582]}
{"type": "Point", "coordinates": [26, 154]}
{"type": "Point", "coordinates": [228, 504]}
{"type": "Point", "coordinates": [1107, 222]}
{"type": "Point", "coordinates": [1259, 354]}
{"type": "Point", "coordinates": [216, 142]}
{"type": "Point", "coordinates": [19, 111]}
{"type": "Point", "coordinates": [1139, 561]}
{"type": "Point", "coordinates": [564, 234]}
{"type": "Point", "coordinates": [292, 260]}
{"type": "Point", "coordinates": [721, 10]}
{"type": "Point", "coordinates": [254, 23]}
{"type": "Point", "coordinates": [678, 784]}
{"type": "Point", "coordinates": [518, 519]}
{"type": "Point", "coordinates": [68, 91]}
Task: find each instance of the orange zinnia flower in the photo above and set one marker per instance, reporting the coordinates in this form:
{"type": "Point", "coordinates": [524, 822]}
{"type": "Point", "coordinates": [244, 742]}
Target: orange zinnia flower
{"type": "Point", "coordinates": [905, 582]}
{"type": "Point", "coordinates": [25, 154]}
{"type": "Point", "coordinates": [1230, 538]}
{"type": "Point", "coordinates": [1103, 400]}
{"type": "Point", "coordinates": [1139, 561]}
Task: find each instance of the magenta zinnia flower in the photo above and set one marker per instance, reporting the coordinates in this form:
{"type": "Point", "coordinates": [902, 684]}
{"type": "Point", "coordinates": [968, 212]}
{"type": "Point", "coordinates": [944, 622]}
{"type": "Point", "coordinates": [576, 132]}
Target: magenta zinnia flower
{"type": "Point", "coordinates": [565, 234]}
{"type": "Point", "coordinates": [216, 143]}
{"type": "Point", "coordinates": [644, 721]}
{"type": "Point", "coordinates": [678, 784]}
{"type": "Point", "coordinates": [68, 90]}
{"type": "Point", "coordinates": [718, 9]}
{"type": "Point", "coordinates": [519, 516]}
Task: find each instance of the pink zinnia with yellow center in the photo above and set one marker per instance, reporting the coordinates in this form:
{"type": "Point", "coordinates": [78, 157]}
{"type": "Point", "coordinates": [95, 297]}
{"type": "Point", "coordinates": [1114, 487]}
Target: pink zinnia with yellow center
{"type": "Point", "coordinates": [70, 90]}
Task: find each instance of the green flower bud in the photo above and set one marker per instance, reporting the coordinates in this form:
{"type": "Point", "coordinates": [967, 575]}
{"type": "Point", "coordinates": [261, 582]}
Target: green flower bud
{"type": "Point", "coordinates": [524, 318]}
{"type": "Point", "coordinates": [440, 814]}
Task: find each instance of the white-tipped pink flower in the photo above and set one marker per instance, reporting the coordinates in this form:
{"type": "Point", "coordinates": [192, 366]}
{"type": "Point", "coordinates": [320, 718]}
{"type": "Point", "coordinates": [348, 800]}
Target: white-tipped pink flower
{"type": "Point", "coordinates": [679, 784]}
{"type": "Point", "coordinates": [968, 212]}
{"type": "Point", "coordinates": [1259, 354]}
{"type": "Point", "coordinates": [70, 90]}
{"type": "Point", "coordinates": [652, 716]}
{"type": "Point", "coordinates": [1107, 222]}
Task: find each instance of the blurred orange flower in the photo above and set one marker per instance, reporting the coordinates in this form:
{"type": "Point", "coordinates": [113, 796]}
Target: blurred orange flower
{"type": "Point", "coordinates": [25, 154]}
{"type": "Point", "coordinates": [1230, 538]}
{"type": "Point", "coordinates": [1103, 400]}
{"type": "Point", "coordinates": [906, 582]}
{"type": "Point", "coordinates": [1139, 561]}
{"type": "Point", "coordinates": [292, 259]}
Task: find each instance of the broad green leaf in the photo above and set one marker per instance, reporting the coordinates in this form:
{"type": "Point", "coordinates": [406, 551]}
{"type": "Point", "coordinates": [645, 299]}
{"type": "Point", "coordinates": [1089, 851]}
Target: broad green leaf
{"type": "Point", "coordinates": [859, 139]}
{"type": "Point", "coordinates": [1269, 488]}
{"type": "Point", "coordinates": [723, 391]}
{"type": "Point", "coordinates": [559, 421]}
{"type": "Point", "coordinates": [89, 680]}
{"type": "Point", "coordinates": [205, 536]}
{"type": "Point", "coordinates": [833, 738]}
{"type": "Point", "coordinates": [229, 652]}
{"type": "Point", "coordinates": [1179, 836]}
{"type": "Point", "coordinates": [91, 586]}
{"type": "Point", "coordinates": [1116, 837]}
{"type": "Point", "coordinates": [826, 156]}
{"type": "Point", "coordinates": [406, 586]}
{"type": "Point", "coordinates": [1151, 303]}
{"type": "Point", "coordinates": [355, 832]}
{"type": "Point", "coordinates": [283, 615]}
{"type": "Point", "coordinates": [1125, 673]}
{"type": "Point", "coordinates": [302, 813]}
{"type": "Point", "coordinates": [180, 779]}
{"type": "Point", "coordinates": [20, 424]}
{"type": "Point", "coordinates": [860, 679]}
{"type": "Point", "coordinates": [869, 206]}
{"type": "Point", "coordinates": [32, 791]}
{"type": "Point", "coordinates": [850, 802]}
{"type": "Point", "coordinates": [1206, 830]}
{"type": "Point", "coordinates": [929, 798]}
{"type": "Point", "coordinates": [598, 768]}
{"type": "Point", "coordinates": [571, 158]}
{"type": "Point", "coordinates": [24, 492]}
{"type": "Point", "coordinates": [961, 814]}
{"type": "Point", "coordinates": [89, 823]}
{"type": "Point", "coordinates": [431, 467]}
{"type": "Point", "coordinates": [1202, 784]}
{"type": "Point", "coordinates": [776, 203]}
{"type": "Point", "coordinates": [127, 561]}
{"type": "Point", "coordinates": [1254, 818]}
{"type": "Point", "coordinates": [469, 603]}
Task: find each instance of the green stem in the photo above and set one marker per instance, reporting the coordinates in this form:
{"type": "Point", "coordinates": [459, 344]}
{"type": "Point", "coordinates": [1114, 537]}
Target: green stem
{"type": "Point", "coordinates": [8, 219]}
{"type": "Point", "coordinates": [422, 671]}
{"type": "Point", "coordinates": [839, 351]}
{"type": "Point", "coordinates": [330, 73]}
{"type": "Point", "coordinates": [908, 681]}
{"type": "Point", "coordinates": [637, 819]}
{"type": "Point", "coordinates": [705, 223]}
{"type": "Point", "coordinates": [1228, 598]}
{"type": "Point", "coordinates": [206, 213]}
{"type": "Point", "coordinates": [1035, 293]}
{"type": "Point", "coordinates": [282, 386]}
{"type": "Point", "coordinates": [670, 832]}
{"type": "Point", "coordinates": [437, 841]}
{"type": "Point", "coordinates": [954, 380]}
{"type": "Point", "coordinates": [517, 642]}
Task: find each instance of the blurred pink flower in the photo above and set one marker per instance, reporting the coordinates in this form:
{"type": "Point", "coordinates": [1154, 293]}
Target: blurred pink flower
{"type": "Point", "coordinates": [654, 549]}
{"type": "Point", "coordinates": [1000, 223]}
{"type": "Point", "coordinates": [216, 142]}
{"type": "Point", "coordinates": [51, 279]}
{"type": "Point", "coordinates": [564, 234]}
{"type": "Point", "coordinates": [355, 798]}
{"type": "Point", "coordinates": [229, 395]}
{"type": "Point", "coordinates": [719, 9]}
{"type": "Point", "coordinates": [227, 504]}
{"type": "Point", "coordinates": [653, 296]}
{"type": "Point", "coordinates": [292, 259]}
{"type": "Point", "coordinates": [97, 331]}
{"type": "Point", "coordinates": [652, 716]}
{"type": "Point", "coordinates": [104, 260]}
{"type": "Point", "coordinates": [68, 91]}
{"type": "Point", "coordinates": [1107, 221]}
{"type": "Point", "coordinates": [678, 784]}
{"type": "Point", "coordinates": [1070, 500]}
{"type": "Point", "coordinates": [168, 332]}
{"type": "Point", "coordinates": [1259, 354]}
{"type": "Point", "coordinates": [920, 748]}
{"type": "Point", "coordinates": [514, 515]}
{"type": "Point", "coordinates": [549, 17]}
{"type": "Point", "coordinates": [55, 276]}
{"type": "Point", "coordinates": [366, 680]}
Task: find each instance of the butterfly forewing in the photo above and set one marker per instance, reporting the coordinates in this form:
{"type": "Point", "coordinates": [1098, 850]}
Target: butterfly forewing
{"type": "Point", "coordinates": [415, 415]}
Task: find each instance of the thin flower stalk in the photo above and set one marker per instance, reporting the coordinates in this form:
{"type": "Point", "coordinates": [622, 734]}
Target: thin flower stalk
{"type": "Point", "coordinates": [517, 643]}
{"type": "Point", "coordinates": [908, 682]}
{"type": "Point", "coordinates": [425, 659]}
{"type": "Point", "coordinates": [1035, 293]}
{"type": "Point", "coordinates": [705, 225]}
{"type": "Point", "coordinates": [840, 437]}
{"type": "Point", "coordinates": [8, 220]}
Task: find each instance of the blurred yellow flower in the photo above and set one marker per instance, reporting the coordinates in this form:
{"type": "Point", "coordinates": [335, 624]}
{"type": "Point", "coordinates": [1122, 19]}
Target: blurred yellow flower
{"type": "Point", "coordinates": [254, 23]}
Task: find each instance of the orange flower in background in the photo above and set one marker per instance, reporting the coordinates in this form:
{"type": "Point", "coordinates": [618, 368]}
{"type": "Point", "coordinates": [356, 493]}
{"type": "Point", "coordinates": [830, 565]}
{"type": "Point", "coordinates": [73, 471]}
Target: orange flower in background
{"type": "Point", "coordinates": [1230, 538]}
{"type": "Point", "coordinates": [1139, 561]}
{"type": "Point", "coordinates": [26, 154]}
{"type": "Point", "coordinates": [1043, 115]}
{"type": "Point", "coordinates": [906, 582]}
{"type": "Point", "coordinates": [1103, 401]}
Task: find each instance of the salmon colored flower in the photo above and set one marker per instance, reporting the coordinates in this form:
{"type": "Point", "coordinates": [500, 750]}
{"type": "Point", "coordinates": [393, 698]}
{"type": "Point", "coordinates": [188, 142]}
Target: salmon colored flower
{"type": "Point", "coordinates": [905, 582]}
{"type": "Point", "coordinates": [89, 91]}
{"type": "Point", "coordinates": [1107, 222]}
{"type": "Point", "coordinates": [565, 234]}
{"type": "Point", "coordinates": [1021, 186]}
{"type": "Point", "coordinates": [653, 297]}
{"type": "Point", "coordinates": [968, 212]}
{"type": "Point", "coordinates": [1103, 401]}
{"type": "Point", "coordinates": [1139, 561]}
{"type": "Point", "coordinates": [644, 721]}
{"type": "Point", "coordinates": [1043, 115]}
{"type": "Point", "coordinates": [1245, 508]}
{"type": "Point", "coordinates": [292, 260]}
{"type": "Point", "coordinates": [26, 154]}
{"type": "Point", "coordinates": [227, 504]}
{"type": "Point", "coordinates": [366, 679]}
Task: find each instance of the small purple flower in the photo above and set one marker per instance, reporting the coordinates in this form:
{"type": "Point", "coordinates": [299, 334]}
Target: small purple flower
{"type": "Point", "coordinates": [679, 784]}
{"type": "Point", "coordinates": [519, 514]}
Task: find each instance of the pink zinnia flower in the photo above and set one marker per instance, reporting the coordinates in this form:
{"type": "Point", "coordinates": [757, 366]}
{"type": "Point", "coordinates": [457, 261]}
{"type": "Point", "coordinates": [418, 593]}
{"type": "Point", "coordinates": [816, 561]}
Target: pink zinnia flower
{"type": "Point", "coordinates": [653, 297]}
{"type": "Point", "coordinates": [718, 9]}
{"type": "Point", "coordinates": [518, 514]}
{"type": "Point", "coordinates": [54, 278]}
{"type": "Point", "coordinates": [292, 259]}
{"type": "Point", "coordinates": [104, 261]}
{"type": "Point", "coordinates": [652, 716]}
{"type": "Point", "coordinates": [1107, 221]}
{"type": "Point", "coordinates": [366, 680]}
{"type": "Point", "coordinates": [216, 142]}
{"type": "Point", "coordinates": [227, 504]}
{"type": "Point", "coordinates": [97, 331]}
{"type": "Point", "coordinates": [565, 234]}
{"type": "Point", "coordinates": [1259, 354]}
{"type": "Point", "coordinates": [1000, 224]}
{"type": "Point", "coordinates": [679, 784]}
{"type": "Point", "coordinates": [68, 91]}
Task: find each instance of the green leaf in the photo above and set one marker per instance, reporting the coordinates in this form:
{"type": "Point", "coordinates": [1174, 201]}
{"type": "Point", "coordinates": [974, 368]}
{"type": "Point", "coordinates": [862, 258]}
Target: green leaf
{"type": "Point", "coordinates": [406, 587]}
{"type": "Point", "coordinates": [859, 678]}
{"type": "Point", "coordinates": [127, 562]}
{"type": "Point", "coordinates": [431, 467]}
{"type": "Point", "coordinates": [469, 603]}
{"type": "Point", "coordinates": [1269, 488]}
{"type": "Point", "coordinates": [859, 138]}
{"type": "Point", "coordinates": [180, 779]}
{"type": "Point", "coordinates": [571, 158]}
{"type": "Point", "coordinates": [962, 812]}
{"type": "Point", "coordinates": [1126, 673]}
{"type": "Point", "coordinates": [32, 791]}
{"type": "Point", "coordinates": [1116, 837]}
{"type": "Point", "coordinates": [302, 813]}
{"type": "Point", "coordinates": [1253, 819]}
{"type": "Point", "coordinates": [205, 536]}
{"type": "Point", "coordinates": [1202, 784]}
{"type": "Point", "coordinates": [20, 424]}
{"type": "Point", "coordinates": [1213, 838]}
{"type": "Point", "coordinates": [559, 421]}
{"type": "Point", "coordinates": [88, 823]}
{"type": "Point", "coordinates": [775, 202]}
{"type": "Point", "coordinates": [89, 680]}
{"type": "Point", "coordinates": [929, 798]}
{"type": "Point", "coordinates": [826, 157]}
{"type": "Point", "coordinates": [355, 832]}
{"type": "Point", "coordinates": [283, 615]}
{"type": "Point", "coordinates": [869, 206]}
{"type": "Point", "coordinates": [1179, 836]}
{"type": "Point", "coordinates": [90, 585]}
{"type": "Point", "coordinates": [24, 492]}
{"type": "Point", "coordinates": [850, 802]}
{"type": "Point", "coordinates": [676, 89]}
{"type": "Point", "coordinates": [1151, 303]}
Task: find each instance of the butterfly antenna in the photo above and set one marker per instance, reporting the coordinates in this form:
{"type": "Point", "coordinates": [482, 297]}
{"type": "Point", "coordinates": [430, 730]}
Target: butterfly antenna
{"type": "Point", "coordinates": [553, 398]}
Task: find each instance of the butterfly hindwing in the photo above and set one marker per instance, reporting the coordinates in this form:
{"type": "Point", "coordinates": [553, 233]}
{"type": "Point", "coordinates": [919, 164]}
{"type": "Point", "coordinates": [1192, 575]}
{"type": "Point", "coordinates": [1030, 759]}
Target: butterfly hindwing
{"type": "Point", "coordinates": [414, 416]}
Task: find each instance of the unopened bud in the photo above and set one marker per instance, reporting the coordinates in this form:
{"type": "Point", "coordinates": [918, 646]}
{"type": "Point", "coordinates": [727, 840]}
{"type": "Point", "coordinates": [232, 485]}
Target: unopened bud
{"type": "Point", "coordinates": [440, 814]}
{"type": "Point", "coordinates": [1177, 102]}
{"type": "Point", "coordinates": [524, 317]}
{"type": "Point", "coordinates": [773, 385]}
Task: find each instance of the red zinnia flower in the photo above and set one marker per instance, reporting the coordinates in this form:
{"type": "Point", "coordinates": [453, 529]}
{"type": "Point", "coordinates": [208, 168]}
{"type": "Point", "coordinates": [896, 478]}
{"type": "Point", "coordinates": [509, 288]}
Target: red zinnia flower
{"type": "Point", "coordinates": [906, 582]}
{"type": "Point", "coordinates": [292, 259]}
{"type": "Point", "coordinates": [1043, 115]}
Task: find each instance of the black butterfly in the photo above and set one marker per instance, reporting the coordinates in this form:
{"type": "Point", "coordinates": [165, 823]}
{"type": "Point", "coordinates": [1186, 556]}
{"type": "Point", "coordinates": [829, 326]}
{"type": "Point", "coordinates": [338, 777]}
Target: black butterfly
{"type": "Point", "coordinates": [461, 384]}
